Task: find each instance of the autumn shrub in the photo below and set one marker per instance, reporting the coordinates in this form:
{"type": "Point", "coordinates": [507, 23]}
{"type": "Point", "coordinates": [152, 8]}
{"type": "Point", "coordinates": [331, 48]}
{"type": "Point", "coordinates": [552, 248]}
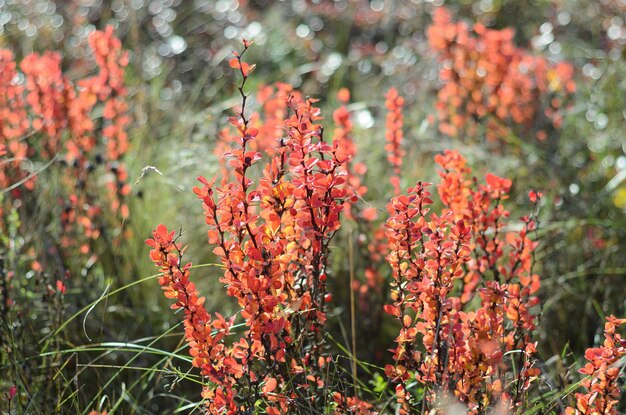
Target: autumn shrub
{"type": "Point", "coordinates": [77, 127]}
{"type": "Point", "coordinates": [492, 87]}
{"type": "Point", "coordinates": [272, 236]}
{"type": "Point", "coordinates": [63, 187]}
{"type": "Point", "coordinates": [463, 289]}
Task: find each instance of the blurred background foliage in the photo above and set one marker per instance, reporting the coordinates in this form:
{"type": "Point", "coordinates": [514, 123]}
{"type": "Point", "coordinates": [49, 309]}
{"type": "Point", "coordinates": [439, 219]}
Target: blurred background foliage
{"type": "Point", "coordinates": [180, 89]}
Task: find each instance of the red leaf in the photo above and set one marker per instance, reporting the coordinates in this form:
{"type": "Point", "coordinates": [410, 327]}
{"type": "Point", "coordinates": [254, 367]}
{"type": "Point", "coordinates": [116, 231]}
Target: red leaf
{"type": "Point", "coordinates": [270, 385]}
{"type": "Point", "coordinates": [234, 63]}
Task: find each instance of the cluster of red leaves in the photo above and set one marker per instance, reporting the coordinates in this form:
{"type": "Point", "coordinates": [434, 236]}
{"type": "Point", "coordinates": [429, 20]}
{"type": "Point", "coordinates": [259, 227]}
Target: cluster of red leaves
{"type": "Point", "coordinates": [347, 151]}
{"type": "Point", "coordinates": [272, 237]}
{"type": "Point", "coordinates": [603, 373]}
{"type": "Point", "coordinates": [463, 291]}
{"type": "Point", "coordinates": [393, 134]}
{"type": "Point", "coordinates": [48, 118]}
{"type": "Point", "coordinates": [269, 120]}
{"type": "Point", "coordinates": [13, 123]}
{"type": "Point", "coordinates": [489, 81]}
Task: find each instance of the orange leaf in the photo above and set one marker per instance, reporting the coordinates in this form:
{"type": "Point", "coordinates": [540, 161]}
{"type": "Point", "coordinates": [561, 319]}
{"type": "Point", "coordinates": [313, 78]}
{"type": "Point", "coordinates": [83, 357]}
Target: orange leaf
{"type": "Point", "coordinates": [270, 385]}
{"type": "Point", "coordinates": [234, 63]}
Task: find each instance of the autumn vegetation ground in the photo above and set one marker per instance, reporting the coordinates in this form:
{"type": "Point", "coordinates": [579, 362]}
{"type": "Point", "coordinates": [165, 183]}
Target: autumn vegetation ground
{"type": "Point", "coordinates": [358, 207]}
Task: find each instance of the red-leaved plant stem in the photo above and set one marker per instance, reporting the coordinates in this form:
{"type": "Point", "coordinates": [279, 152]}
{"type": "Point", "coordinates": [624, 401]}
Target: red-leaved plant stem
{"type": "Point", "coordinates": [394, 135]}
